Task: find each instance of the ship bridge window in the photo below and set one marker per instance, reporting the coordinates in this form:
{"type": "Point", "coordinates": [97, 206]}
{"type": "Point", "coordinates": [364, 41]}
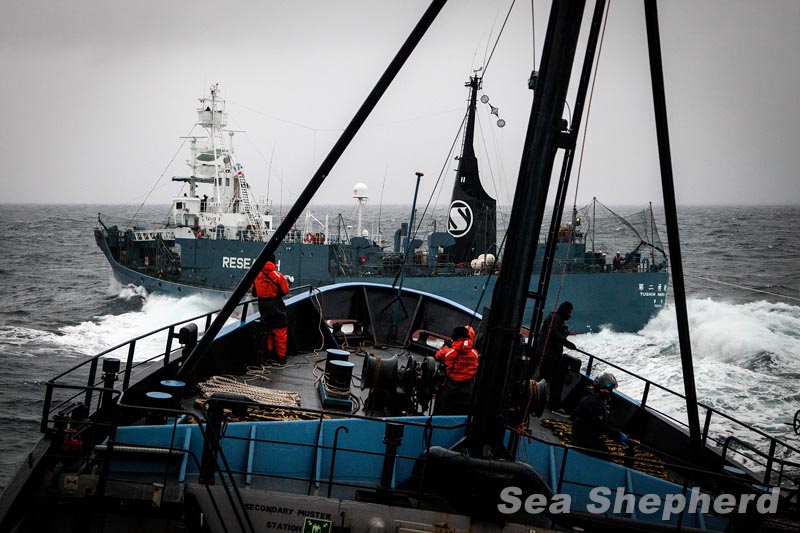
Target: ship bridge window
{"type": "Point", "coordinates": [209, 156]}
{"type": "Point", "coordinates": [178, 205]}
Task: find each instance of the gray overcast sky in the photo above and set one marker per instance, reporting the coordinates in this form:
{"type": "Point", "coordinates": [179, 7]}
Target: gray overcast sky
{"type": "Point", "coordinates": [96, 94]}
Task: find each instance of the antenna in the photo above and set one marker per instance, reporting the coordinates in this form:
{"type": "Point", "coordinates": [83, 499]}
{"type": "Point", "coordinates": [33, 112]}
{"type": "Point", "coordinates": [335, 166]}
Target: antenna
{"type": "Point", "coordinates": [380, 206]}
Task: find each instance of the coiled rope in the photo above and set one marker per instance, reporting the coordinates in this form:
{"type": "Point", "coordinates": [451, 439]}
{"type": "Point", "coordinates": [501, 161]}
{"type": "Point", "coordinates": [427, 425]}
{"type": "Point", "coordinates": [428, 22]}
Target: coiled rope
{"type": "Point", "coordinates": [253, 393]}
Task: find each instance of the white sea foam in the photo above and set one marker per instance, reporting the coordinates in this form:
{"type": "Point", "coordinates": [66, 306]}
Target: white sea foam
{"type": "Point", "coordinates": [132, 291]}
{"type": "Point", "coordinates": [28, 338]}
{"type": "Point", "coordinates": [742, 357]}
{"type": "Point", "coordinates": [102, 332]}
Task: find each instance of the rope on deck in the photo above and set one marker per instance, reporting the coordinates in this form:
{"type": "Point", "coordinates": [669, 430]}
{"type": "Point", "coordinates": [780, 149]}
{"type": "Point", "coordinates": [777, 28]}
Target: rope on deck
{"type": "Point", "coordinates": [252, 392]}
{"type": "Point", "coordinates": [638, 458]}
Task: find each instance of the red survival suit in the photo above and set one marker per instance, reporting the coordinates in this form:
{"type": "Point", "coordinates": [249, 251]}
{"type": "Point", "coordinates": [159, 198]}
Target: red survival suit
{"type": "Point", "coordinates": [270, 287]}
{"type": "Point", "coordinates": [461, 362]}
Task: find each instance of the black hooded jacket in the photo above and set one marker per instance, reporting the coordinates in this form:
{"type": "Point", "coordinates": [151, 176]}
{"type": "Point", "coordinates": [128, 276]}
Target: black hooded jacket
{"type": "Point", "coordinates": [554, 332]}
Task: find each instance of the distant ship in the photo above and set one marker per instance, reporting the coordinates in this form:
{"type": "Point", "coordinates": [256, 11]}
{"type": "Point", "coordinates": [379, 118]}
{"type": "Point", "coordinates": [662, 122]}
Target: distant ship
{"type": "Point", "coordinates": [210, 240]}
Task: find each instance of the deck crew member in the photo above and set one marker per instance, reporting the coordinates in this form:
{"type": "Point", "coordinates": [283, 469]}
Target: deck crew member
{"type": "Point", "coordinates": [554, 364]}
{"type": "Point", "coordinates": [617, 262]}
{"type": "Point", "coordinates": [591, 416]}
{"type": "Point", "coordinates": [270, 287]}
{"type": "Point", "coordinates": [461, 364]}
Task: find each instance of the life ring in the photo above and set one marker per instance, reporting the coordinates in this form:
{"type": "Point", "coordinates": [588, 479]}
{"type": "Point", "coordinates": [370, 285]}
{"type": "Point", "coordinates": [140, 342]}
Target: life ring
{"type": "Point", "coordinates": [362, 260]}
{"type": "Point", "coordinates": [200, 233]}
{"type": "Point", "coordinates": [309, 238]}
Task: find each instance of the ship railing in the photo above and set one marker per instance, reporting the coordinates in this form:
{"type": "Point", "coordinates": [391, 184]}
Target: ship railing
{"type": "Point", "coordinates": [214, 465]}
{"type": "Point", "coordinates": [325, 477]}
{"type": "Point", "coordinates": [81, 383]}
{"type": "Point", "coordinates": [690, 478]}
{"type": "Point", "coordinates": [774, 458]}
{"type": "Point", "coordinates": [219, 468]}
{"type": "Point", "coordinates": [212, 429]}
{"type": "Point", "coordinates": [769, 457]}
{"type": "Point", "coordinates": [152, 234]}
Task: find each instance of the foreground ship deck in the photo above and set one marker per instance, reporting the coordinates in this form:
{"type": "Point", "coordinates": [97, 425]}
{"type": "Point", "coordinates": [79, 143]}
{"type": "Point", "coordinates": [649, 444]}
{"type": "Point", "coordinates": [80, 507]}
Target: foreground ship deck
{"type": "Point", "coordinates": [241, 455]}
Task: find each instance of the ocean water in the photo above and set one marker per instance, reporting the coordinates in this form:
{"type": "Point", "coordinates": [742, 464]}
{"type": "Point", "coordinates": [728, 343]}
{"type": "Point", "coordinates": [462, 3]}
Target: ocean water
{"type": "Point", "coordinates": [59, 303]}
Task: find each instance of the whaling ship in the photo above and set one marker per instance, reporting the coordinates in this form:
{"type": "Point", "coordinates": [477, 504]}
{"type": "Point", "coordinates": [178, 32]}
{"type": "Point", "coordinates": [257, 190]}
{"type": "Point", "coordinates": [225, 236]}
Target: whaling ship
{"type": "Point", "coordinates": [210, 240]}
{"type": "Point", "coordinates": [205, 438]}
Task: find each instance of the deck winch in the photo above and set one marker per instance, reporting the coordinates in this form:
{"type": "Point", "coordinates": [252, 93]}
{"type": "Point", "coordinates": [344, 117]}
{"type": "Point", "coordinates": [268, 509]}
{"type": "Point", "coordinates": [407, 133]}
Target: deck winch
{"type": "Point", "coordinates": [400, 384]}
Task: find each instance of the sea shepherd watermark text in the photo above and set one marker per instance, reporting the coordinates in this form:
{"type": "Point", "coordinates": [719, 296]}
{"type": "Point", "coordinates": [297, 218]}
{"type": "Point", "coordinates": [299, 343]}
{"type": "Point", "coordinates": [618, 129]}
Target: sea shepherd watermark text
{"type": "Point", "coordinates": [606, 500]}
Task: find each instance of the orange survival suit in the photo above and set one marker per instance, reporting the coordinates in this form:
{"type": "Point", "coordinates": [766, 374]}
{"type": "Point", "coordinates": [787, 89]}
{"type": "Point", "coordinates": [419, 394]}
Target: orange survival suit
{"type": "Point", "coordinates": [270, 287]}
{"type": "Point", "coordinates": [461, 363]}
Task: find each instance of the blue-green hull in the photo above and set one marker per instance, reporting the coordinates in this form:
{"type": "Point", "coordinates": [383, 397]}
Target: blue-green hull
{"type": "Point", "coordinates": [623, 300]}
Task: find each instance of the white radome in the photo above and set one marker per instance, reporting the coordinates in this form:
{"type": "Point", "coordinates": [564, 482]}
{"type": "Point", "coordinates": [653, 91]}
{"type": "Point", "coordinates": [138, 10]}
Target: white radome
{"type": "Point", "coordinates": [360, 190]}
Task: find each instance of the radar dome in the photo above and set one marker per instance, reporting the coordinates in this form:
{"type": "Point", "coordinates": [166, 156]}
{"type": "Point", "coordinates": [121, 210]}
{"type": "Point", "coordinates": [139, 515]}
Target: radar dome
{"type": "Point", "coordinates": [360, 190]}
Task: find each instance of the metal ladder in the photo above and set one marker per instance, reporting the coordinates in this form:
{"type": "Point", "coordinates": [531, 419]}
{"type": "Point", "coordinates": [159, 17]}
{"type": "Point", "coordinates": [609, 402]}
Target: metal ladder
{"type": "Point", "coordinates": [252, 216]}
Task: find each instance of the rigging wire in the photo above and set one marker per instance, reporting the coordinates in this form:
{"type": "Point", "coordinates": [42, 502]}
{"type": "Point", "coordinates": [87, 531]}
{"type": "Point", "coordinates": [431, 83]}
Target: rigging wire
{"type": "Point", "coordinates": [269, 172]}
{"type": "Point", "coordinates": [742, 287]}
{"type": "Point", "coordinates": [263, 158]}
{"type": "Point", "coordinates": [533, 33]}
{"type": "Point", "coordinates": [488, 40]}
{"type": "Point", "coordinates": [138, 209]}
{"type": "Point", "coordinates": [486, 65]}
{"type": "Point", "coordinates": [497, 188]}
{"type": "Point", "coordinates": [436, 185]}
{"type": "Point", "coordinates": [500, 159]}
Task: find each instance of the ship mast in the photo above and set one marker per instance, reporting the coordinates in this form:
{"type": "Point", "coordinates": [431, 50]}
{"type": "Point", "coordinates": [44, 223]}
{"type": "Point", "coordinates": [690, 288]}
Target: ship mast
{"type": "Point", "coordinates": [496, 405]}
{"type": "Point", "coordinates": [552, 237]}
{"type": "Point", "coordinates": [670, 210]}
{"type": "Point", "coordinates": [503, 383]}
{"type": "Point", "coordinates": [472, 217]}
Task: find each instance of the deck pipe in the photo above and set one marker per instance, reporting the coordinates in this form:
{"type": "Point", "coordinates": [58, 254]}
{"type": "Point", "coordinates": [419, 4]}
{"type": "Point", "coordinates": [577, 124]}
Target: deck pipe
{"type": "Point", "coordinates": [111, 367]}
{"type": "Point", "coordinates": [212, 445]}
{"type": "Point", "coordinates": [313, 186]}
{"type": "Point", "coordinates": [392, 438]}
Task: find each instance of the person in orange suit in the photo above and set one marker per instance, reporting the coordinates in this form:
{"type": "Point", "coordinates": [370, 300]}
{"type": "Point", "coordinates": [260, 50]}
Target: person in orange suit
{"type": "Point", "coordinates": [270, 287]}
{"type": "Point", "coordinates": [461, 363]}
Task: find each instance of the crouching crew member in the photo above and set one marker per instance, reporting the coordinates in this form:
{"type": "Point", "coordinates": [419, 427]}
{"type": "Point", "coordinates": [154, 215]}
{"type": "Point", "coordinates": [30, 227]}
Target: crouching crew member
{"type": "Point", "coordinates": [461, 364]}
{"type": "Point", "coordinates": [270, 287]}
{"type": "Point", "coordinates": [591, 417]}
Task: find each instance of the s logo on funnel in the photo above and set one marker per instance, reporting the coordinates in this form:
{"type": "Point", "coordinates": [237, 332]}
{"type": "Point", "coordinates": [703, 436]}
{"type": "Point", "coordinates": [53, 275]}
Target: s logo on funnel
{"type": "Point", "coordinates": [459, 220]}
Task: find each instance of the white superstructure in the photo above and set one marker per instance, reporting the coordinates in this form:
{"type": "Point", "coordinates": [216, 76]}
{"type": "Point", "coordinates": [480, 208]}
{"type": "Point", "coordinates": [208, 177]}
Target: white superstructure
{"type": "Point", "coordinates": [218, 204]}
